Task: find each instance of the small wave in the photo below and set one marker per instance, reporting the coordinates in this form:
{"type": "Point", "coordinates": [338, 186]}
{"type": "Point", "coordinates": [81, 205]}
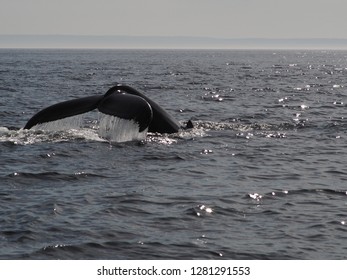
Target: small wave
{"type": "Point", "coordinates": [123, 249]}
{"type": "Point", "coordinates": [201, 210]}
{"type": "Point", "coordinates": [132, 249]}
{"type": "Point", "coordinates": [7, 89]}
{"type": "Point", "coordinates": [18, 236]}
{"type": "Point", "coordinates": [163, 157]}
{"type": "Point", "coordinates": [53, 176]}
{"type": "Point", "coordinates": [260, 197]}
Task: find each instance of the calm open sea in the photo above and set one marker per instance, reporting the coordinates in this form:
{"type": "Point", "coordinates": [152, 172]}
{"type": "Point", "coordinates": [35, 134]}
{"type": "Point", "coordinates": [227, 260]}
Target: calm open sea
{"type": "Point", "coordinates": [263, 174]}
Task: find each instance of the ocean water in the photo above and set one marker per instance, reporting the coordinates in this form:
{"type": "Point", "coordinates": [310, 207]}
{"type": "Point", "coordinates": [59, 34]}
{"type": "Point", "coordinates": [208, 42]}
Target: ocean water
{"type": "Point", "coordinates": [262, 175]}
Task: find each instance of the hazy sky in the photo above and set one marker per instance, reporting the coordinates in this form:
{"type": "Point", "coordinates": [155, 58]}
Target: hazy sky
{"type": "Point", "coordinates": [208, 18]}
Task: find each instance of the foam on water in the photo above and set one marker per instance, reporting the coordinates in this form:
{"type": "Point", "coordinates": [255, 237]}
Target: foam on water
{"type": "Point", "coordinates": [56, 131]}
{"type": "Point", "coordinates": [3, 130]}
{"type": "Point", "coordinates": [110, 128]}
{"type": "Point", "coordinates": [28, 137]}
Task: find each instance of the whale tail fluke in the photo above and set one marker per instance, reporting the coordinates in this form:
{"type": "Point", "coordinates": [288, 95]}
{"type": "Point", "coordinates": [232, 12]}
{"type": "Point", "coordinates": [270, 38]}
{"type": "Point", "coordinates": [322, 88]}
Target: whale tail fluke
{"type": "Point", "coordinates": [64, 110]}
{"type": "Point", "coordinates": [123, 106]}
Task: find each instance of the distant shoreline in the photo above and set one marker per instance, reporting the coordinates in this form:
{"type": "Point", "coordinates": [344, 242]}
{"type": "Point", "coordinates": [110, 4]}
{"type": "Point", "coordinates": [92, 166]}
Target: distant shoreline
{"type": "Point", "coordinates": [163, 42]}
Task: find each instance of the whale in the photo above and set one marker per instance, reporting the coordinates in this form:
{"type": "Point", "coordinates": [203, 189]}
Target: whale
{"type": "Point", "coordinates": [121, 101]}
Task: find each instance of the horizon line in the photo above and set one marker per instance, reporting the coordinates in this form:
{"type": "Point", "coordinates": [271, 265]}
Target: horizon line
{"type": "Point", "coordinates": [70, 41]}
{"type": "Point", "coordinates": [178, 36]}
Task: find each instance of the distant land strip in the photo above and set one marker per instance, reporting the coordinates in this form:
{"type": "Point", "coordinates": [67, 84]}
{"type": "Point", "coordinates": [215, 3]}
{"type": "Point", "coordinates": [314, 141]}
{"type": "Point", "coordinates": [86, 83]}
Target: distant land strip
{"type": "Point", "coordinates": [164, 42]}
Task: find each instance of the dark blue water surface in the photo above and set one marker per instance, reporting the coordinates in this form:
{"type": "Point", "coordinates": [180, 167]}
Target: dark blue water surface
{"type": "Point", "coordinates": [261, 176]}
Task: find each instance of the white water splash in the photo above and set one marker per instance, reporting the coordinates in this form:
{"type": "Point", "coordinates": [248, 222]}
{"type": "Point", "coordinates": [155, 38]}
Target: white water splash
{"type": "Point", "coordinates": [115, 129]}
{"type": "Point", "coordinates": [28, 137]}
{"type": "Point", "coordinates": [74, 122]}
{"type": "Point", "coordinates": [111, 128]}
{"type": "Point", "coordinates": [3, 130]}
